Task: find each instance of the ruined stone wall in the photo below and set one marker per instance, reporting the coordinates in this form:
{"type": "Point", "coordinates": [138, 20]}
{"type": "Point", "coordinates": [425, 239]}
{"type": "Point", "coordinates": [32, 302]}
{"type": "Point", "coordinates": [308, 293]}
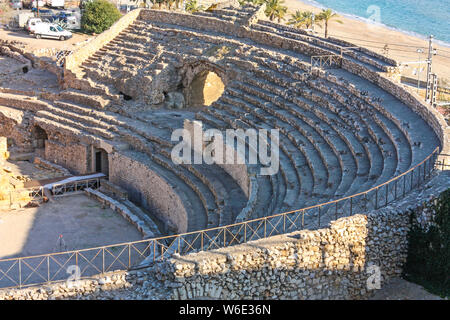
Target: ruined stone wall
{"type": "Point", "coordinates": [14, 125]}
{"type": "Point", "coordinates": [72, 155]}
{"type": "Point", "coordinates": [74, 60]}
{"type": "Point", "coordinates": [236, 30]}
{"type": "Point", "coordinates": [147, 189]}
{"type": "Point", "coordinates": [238, 170]}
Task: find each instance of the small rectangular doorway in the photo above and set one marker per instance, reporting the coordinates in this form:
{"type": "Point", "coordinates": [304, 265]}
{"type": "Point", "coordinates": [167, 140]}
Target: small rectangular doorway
{"type": "Point", "coordinates": [98, 161]}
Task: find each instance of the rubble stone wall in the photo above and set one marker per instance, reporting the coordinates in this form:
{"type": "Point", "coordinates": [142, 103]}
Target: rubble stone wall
{"type": "Point", "coordinates": [72, 155]}
{"type": "Point", "coordinates": [14, 127]}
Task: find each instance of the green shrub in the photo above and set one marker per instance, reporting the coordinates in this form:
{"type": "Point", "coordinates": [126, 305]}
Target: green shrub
{"type": "Point", "coordinates": [98, 16]}
{"type": "Point", "coordinates": [428, 262]}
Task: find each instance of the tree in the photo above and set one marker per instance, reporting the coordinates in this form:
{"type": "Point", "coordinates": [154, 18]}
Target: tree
{"type": "Point", "coordinates": [326, 16]}
{"type": "Point", "coordinates": [169, 4]}
{"type": "Point", "coordinates": [192, 6]}
{"type": "Point", "coordinates": [275, 9]}
{"type": "Point", "coordinates": [258, 2]}
{"type": "Point", "coordinates": [301, 18]}
{"type": "Point", "coordinates": [98, 16]}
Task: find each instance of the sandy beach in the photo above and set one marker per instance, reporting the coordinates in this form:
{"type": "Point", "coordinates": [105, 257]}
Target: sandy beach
{"type": "Point", "coordinates": [375, 37]}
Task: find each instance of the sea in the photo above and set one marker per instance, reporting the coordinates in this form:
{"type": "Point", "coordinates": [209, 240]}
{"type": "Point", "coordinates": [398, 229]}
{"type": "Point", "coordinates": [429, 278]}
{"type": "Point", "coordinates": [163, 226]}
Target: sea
{"type": "Point", "coordinates": [416, 17]}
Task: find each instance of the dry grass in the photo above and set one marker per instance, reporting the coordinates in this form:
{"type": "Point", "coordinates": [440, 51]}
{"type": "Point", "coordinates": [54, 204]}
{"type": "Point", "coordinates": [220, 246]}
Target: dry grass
{"type": "Point", "coordinates": [6, 13]}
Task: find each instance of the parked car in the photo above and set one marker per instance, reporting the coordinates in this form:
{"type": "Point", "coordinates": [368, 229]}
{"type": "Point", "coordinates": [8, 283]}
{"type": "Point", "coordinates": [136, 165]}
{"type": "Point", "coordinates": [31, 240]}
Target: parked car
{"type": "Point", "coordinates": [55, 3]}
{"type": "Point", "coordinates": [44, 13]}
{"type": "Point", "coordinates": [16, 4]}
{"type": "Point", "coordinates": [72, 23]}
{"type": "Point", "coordinates": [41, 4]}
{"type": "Point", "coordinates": [52, 31]}
{"type": "Point", "coordinates": [125, 8]}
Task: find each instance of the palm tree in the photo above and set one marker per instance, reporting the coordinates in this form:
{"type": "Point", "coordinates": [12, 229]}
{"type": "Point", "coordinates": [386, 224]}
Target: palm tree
{"type": "Point", "coordinates": [192, 6]}
{"type": "Point", "coordinates": [159, 2]}
{"type": "Point", "coordinates": [243, 2]}
{"type": "Point", "coordinates": [275, 9]}
{"type": "Point", "coordinates": [281, 12]}
{"type": "Point", "coordinates": [301, 18]}
{"type": "Point", "coordinates": [326, 16]}
{"type": "Point", "coordinates": [169, 3]}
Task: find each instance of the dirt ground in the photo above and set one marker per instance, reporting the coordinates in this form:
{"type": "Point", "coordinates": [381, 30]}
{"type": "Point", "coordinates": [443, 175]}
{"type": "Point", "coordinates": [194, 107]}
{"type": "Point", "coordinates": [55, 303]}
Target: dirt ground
{"type": "Point", "coordinates": [399, 289]}
{"type": "Point", "coordinates": [35, 80]}
{"type": "Point", "coordinates": [34, 44]}
{"type": "Point", "coordinates": [79, 219]}
{"type": "Point", "coordinates": [31, 171]}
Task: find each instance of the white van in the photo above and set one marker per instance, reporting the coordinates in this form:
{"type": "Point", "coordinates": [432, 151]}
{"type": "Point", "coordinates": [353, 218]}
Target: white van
{"type": "Point", "coordinates": [50, 30]}
{"type": "Point", "coordinates": [35, 3]}
{"type": "Point", "coordinates": [30, 26]}
{"type": "Point", "coordinates": [55, 3]}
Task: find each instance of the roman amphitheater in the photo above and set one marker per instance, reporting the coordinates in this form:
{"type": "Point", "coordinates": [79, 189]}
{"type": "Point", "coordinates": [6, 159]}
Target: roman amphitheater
{"type": "Point", "coordinates": [357, 152]}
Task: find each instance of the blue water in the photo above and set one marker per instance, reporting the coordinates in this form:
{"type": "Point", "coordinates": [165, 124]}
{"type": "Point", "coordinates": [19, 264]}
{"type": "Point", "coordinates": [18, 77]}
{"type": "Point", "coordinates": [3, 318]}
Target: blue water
{"type": "Point", "coordinates": [421, 17]}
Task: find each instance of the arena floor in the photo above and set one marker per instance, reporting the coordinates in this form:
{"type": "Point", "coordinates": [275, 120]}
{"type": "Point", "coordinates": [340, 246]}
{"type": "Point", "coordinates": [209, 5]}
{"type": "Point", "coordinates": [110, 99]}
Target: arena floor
{"type": "Point", "coordinates": [79, 219]}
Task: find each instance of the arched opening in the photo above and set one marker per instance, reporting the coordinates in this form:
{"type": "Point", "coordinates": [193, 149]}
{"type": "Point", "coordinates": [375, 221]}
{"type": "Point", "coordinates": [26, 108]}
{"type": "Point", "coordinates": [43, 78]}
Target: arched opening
{"type": "Point", "coordinates": [205, 88]}
{"type": "Point", "coordinates": [101, 163]}
{"type": "Point", "coordinates": [125, 96]}
{"type": "Point", "coordinates": [39, 137]}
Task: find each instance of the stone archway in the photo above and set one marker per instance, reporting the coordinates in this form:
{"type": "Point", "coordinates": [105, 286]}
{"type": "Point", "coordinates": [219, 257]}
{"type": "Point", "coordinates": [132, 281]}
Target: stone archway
{"type": "Point", "coordinates": [39, 136]}
{"type": "Point", "coordinates": [205, 89]}
{"type": "Point", "coordinates": [204, 83]}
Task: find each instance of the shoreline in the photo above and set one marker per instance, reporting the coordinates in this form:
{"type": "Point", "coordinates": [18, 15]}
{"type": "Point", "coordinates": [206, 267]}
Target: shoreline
{"type": "Point", "coordinates": [402, 45]}
{"type": "Point", "coordinates": [378, 24]}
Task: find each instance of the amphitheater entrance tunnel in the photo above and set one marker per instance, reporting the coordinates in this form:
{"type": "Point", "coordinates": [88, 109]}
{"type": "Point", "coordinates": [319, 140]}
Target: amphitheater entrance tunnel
{"type": "Point", "coordinates": [205, 88]}
{"type": "Point", "coordinates": [100, 161]}
{"type": "Point", "coordinates": [39, 138]}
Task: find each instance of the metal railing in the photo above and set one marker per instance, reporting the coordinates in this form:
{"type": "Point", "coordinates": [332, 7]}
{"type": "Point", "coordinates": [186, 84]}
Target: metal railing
{"type": "Point", "coordinates": [48, 268]}
{"type": "Point", "coordinates": [326, 61]}
{"type": "Point", "coordinates": [25, 195]}
{"type": "Point", "coordinates": [36, 194]}
{"type": "Point", "coordinates": [59, 189]}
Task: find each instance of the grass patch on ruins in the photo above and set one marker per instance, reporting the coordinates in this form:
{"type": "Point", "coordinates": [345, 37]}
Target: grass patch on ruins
{"type": "Point", "coordinates": [219, 51]}
{"type": "Point", "coordinates": [428, 261]}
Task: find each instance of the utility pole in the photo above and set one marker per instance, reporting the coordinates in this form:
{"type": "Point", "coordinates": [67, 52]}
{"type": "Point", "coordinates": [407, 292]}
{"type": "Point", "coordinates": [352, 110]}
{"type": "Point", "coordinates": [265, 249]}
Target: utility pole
{"type": "Point", "coordinates": [313, 18]}
{"type": "Point", "coordinates": [429, 78]}
{"type": "Point", "coordinates": [435, 89]}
